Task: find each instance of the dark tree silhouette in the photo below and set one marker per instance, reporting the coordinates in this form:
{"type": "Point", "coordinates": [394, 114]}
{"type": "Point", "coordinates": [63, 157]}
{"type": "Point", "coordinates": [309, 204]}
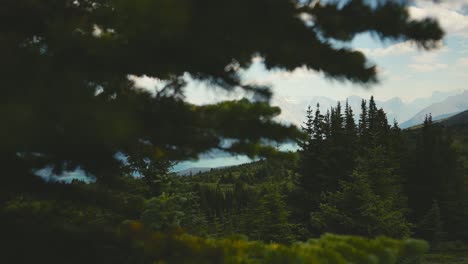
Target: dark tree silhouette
{"type": "Point", "coordinates": [67, 101]}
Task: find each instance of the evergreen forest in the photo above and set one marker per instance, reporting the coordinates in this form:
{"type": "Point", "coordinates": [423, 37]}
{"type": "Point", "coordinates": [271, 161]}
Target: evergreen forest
{"type": "Point", "coordinates": [363, 189]}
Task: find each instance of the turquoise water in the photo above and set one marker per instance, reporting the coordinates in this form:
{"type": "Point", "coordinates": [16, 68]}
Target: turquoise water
{"type": "Point", "coordinates": [210, 160]}
{"type": "Point", "coordinates": [222, 161]}
{"type": "Point", "coordinates": [211, 163]}
{"type": "Point", "coordinates": [67, 177]}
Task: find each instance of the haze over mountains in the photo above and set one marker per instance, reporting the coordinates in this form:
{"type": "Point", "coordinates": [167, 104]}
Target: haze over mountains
{"type": "Point", "coordinates": [449, 106]}
{"type": "Point", "coordinates": [439, 103]}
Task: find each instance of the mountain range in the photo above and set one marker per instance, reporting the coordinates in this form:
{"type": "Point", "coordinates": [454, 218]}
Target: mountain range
{"type": "Point", "coordinates": [440, 104]}
{"type": "Point", "coordinates": [293, 111]}
{"type": "Point", "coordinates": [448, 107]}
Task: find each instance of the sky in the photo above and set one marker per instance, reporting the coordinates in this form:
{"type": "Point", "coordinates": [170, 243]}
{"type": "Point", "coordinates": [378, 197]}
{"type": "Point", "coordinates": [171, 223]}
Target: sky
{"type": "Point", "coordinates": [404, 70]}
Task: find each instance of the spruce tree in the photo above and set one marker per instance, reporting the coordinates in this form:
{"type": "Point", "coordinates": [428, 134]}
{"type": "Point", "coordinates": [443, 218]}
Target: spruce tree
{"type": "Point", "coordinates": [431, 226]}
{"type": "Point", "coordinates": [336, 150]}
{"type": "Point", "coordinates": [312, 156]}
{"type": "Point", "coordinates": [372, 115]}
{"type": "Point", "coordinates": [327, 124]}
{"type": "Point", "coordinates": [357, 209]}
{"type": "Point", "coordinates": [318, 125]}
{"type": "Point", "coordinates": [363, 121]}
{"type": "Point", "coordinates": [350, 123]}
{"type": "Point", "coordinates": [351, 141]}
{"type": "Point", "coordinates": [381, 129]}
{"type": "Point", "coordinates": [309, 124]}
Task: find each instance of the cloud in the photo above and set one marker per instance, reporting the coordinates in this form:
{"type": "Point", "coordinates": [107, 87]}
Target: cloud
{"type": "Point", "coordinates": [427, 67]}
{"type": "Point", "coordinates": [257, 74]}
{"type": "Point", "coordinates": [461, 67]}
{"type": "Point", "coordinates": [151, 84]}
{"type": "Point", "coordinates": [398, 49]}
{"type": "Point", "coordinates": [458, 5]}
{"type": "Point", "coordinates": [386, 74]}
{"type": "Point", "coordinates": [429, 61]}
{"type": "Point", "coordinates": [430, 57]}
{"type": "Point", "coordinates": [273, 76]}
{"type": "Point", "coordinates": [144, 81]}
{"type": "Point", "coordinates": [462, 62]}
{"type": "Point", "coordinates": [450, 14]}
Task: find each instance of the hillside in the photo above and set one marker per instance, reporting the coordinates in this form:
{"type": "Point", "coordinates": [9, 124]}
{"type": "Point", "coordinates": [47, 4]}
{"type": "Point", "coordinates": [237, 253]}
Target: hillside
{"type": "Point", "coordinates": [458, 119]}
{"type": "Point", "coordinates": [192, 171]}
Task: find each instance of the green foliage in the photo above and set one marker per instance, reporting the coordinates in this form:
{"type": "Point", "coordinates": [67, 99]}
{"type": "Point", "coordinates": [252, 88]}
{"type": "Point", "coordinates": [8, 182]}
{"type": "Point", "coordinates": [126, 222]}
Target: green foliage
{"type": "Point", "coordinates": [357, 209]}
{"type": "Point", "coordinates": [163, 212]}
{"type": "Point", "coordinates": [328, 249]}
{"type": "Point", "coordinates": [249, 199]}
{"type": "Point", "coordinates": [97, 235]}
{"type": "Point", "coordinates": [166, 212]}
{"type": "Point", "coordinates": [431, 225]}
{"type": "Point", "coordinates": [268, 220]}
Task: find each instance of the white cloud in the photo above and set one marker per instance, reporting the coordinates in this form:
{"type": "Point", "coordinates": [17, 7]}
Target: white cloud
{"type": "Point", "coordinates": [273, 76]}
{"type": "Point", "coordinates": [144, 82]}
{"type": "Point", "coordinates": [430, 56]}
{"type": "Point", "coordinates": [386, 74]}
{"type": "Point", "coordinates": [429, 61]}
{"type": "Point", "coordinates": [428, 67]}
{"type": "Point", "coordinates": [259, 75]}
{"type": "Point", "coordinates": [462, 62]}
{"type": "Point", "coordinates": [449, 14]}
{"type": "Point", "coordinates": [457, 5]}
{"type": "Point", "coordinates": [401, 48]}
{"type": "Point", "coordinates": [460, 67]}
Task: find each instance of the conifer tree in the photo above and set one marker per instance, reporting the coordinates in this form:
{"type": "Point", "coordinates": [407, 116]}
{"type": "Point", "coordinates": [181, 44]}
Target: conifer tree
{"type": "Point", "coordinates": [269, 218]}
{"type": "Point", "coordinates": [431, 226]}
{"type": "Point", "coordinates": [336, 158]}
{"type": "Point", "coordinates": [309, 124]}
{"type": "Point", "coordinates": [357, 209]}
{"type": "Point", "coordinates": [336, 124]}
{"type": "Point", "coordinates": [350, 123]}
{"type": "Point", "coordinates": [381, 129]}
{"type": "Point", "coordinates": [372, 115]}
{"type": "Point", "coordinates": [363, 121]}
{"type": "Point", "coordinates": [312, 158]}
{"type": "Point", "coordinates": [306, 145]}
{"type": "Point", "coordinates": [318, 125]}
{"type": "Point", "coordinates": [351, 141]}
{"type": "Point", "coordinates": [326, 124]}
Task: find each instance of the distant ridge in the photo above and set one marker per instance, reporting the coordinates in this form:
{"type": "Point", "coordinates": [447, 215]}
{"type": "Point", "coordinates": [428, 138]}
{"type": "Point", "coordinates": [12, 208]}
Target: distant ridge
{"type": "Point", "coordinates": [293, 109]}
{"type": "Point", "coordinates": [458, 119]}
{"type": "Point", "coordinates": [192, 171]}
{"type": "Point", "coordinates": [452, 105]}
